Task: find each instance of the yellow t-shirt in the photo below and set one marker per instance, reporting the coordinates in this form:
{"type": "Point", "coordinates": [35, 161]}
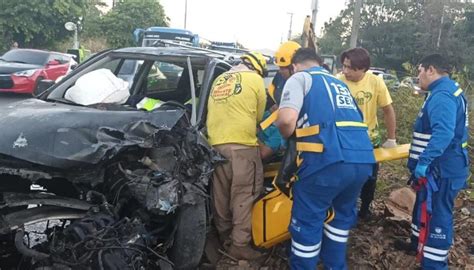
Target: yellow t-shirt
{"type": "Point", "coordinates": [235, 106]}
{"type": "Point", "coordinates": [370, 94]}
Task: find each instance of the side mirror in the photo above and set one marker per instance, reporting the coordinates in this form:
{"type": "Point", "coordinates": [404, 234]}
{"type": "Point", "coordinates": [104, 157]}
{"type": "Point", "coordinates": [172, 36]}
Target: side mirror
{"type": "Point", "coordinates": [42, 86]}
{"type": "Point", "coordinates": [53, 62]}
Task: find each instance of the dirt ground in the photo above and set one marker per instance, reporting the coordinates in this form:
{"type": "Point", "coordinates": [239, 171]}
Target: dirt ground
{"type": "Point", "coordinates": [371, 243]}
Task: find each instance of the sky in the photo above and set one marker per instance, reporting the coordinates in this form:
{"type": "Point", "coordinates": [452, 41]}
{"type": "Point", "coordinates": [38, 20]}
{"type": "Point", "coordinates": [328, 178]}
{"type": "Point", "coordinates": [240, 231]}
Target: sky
{"type": "Point", "coordinates": [257, 24]}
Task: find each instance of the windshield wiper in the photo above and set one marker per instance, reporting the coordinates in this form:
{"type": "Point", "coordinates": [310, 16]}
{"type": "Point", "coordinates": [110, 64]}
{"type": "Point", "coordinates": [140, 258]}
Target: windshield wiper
{"type": "Point", "coordinates": [62, 100]}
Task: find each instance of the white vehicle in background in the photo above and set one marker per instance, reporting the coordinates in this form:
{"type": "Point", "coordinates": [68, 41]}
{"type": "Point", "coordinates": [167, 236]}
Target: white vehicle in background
{"type": "Point", "coordinates": [390, 80]}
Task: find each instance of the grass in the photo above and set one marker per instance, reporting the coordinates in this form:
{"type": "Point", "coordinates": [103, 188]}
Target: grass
{"type": "Point", "coordinates": [394, 174]}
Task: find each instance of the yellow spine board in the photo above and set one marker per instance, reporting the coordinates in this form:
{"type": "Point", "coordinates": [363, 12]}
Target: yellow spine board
{"type": "Point", "coordinates": [271, 214]}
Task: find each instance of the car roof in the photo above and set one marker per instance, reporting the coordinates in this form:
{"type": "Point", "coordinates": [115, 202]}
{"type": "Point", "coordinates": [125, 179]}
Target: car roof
{"type": "Point", "coordinates": [170, 51]}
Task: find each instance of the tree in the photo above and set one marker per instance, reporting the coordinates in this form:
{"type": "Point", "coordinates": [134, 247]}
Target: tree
{"type": "Point", "coordinates": [126, 16]}
{"type": "Point", "coordinates": [395, 32]}
{"type": "Point", "coordinates": [37, 24]}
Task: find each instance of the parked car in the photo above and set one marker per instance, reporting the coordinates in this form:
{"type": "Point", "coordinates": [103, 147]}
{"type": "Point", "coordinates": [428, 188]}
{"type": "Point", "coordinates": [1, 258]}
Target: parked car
{"type": "Point", "coordinates": [22, 69]}
{"type": "Point", "coordinates": [390, 80]}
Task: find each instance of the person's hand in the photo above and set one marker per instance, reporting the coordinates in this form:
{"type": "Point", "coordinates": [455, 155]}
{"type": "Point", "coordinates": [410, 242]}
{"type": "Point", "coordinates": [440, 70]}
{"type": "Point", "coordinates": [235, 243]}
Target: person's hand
{"type": "Point", "coordinates": [420, 170]}
{"type": "Point", "coordinates": [390, 143]}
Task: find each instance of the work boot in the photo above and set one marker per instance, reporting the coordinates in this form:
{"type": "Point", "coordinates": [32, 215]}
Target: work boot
{"type": "Point", "coordinates": [365, 214]}
{"type": "Point", "coordinates": [245, 253]}
{"type": "Point", "coordinates": [405, 246]}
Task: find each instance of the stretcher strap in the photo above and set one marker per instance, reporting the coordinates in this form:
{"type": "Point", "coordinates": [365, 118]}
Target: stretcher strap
{"type": "Point", "coordinates": [427, 186]}
{"type": "Point", "coordinates": [269, 121]}
{"type": "Point", "coordinates": [309, 147]}
{"type": "Point", "coordinates": [307, 131]}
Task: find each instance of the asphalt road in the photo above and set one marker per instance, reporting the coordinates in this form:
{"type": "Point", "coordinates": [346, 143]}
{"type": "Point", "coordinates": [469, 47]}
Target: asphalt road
{"type": "Point", "coordinates": [7, 98]}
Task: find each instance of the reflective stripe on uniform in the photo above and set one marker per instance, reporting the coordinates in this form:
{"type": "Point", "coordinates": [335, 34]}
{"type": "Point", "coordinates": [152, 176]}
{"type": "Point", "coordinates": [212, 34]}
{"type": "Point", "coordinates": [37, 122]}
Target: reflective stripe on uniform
{"type": "Point", "coordinates": [335, 234]}
{"type": "Point", "coordinates": [307, 131]}
{"type": "Point", "coordinates": [464, 145]}
{"type": "Point", "coordinates": [435, 254]}
{"type": "Point", "coordinates": [458, 92]}
{"type": "Point", "coordinates": [269, 121]}
{"type": "Point", "coordinates": [417, 149]}
{"type": "Point", "coordinates": [271, 91]}
{"type": "Point", "coordinates": [336, 230]}
{"type": "Point", "coordinates": [350, 124]}
{"type": "Point", "coordinates": [305, 251]}
{"type": "Point", "coordinates": [309, 147]}
{"type": "Point", "coordinates": [414, 156]}
{"type": "Point", "coordinates": [420, 143]}
{"type": "Point", "coordinates": [421, 135]}
{"type": "Point", "coordinates": [414, 230]}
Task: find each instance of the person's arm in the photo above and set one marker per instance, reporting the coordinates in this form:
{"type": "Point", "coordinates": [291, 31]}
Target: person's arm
{"type": "Point", "coordinates": [286, 122]}
{"type": "Point", "coordinates": [390, 121]}
{"type": "Point", "coordinates": [261, 101]}
{"type": "Point", "coordinates": [292, 102]}
{"type": "Point", "coordinates": [265, 151]}
{"type": "Point", "coordinates": [442, 114]}
{"type": "Point", "coordinates": [384, 100]}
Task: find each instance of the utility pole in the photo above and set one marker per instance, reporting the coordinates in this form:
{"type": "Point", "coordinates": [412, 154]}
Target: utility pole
{"type": "Point", "coordinates": [185, 12]}
{"type": "Point", "coordinates": [440, 28]}
{"type": "Point", "coordinates": [355, 23]}
{"type": "Point", "coordinates": [291, 24]}
{"type": "Point", "coordinates": [314, 13]}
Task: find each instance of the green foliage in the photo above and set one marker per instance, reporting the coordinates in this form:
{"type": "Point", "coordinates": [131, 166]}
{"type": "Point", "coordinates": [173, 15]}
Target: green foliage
{"type": "Point", "coordinates": [395, 32]}
{"type": "Point", "coordinates": [119, 23]}
{"type": "Point", "coordinates": [336, 34]}
{"type": "Point", "coordinates": [37, 23]}
{"type": "Point", "coordinates": [40, 23]}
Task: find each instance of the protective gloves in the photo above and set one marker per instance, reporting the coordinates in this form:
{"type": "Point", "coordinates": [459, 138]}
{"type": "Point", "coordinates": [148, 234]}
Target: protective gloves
{"type": "Point", "coordinates": [390, 143]}
{"type": "Point", "coordinates": [420, 170]}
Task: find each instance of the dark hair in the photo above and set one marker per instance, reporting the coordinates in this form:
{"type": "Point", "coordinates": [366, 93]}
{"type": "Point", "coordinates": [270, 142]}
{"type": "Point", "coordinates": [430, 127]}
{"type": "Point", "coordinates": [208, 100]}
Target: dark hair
{"type": "Point", "coordinates": [437, 61]}
{"type": "Point", "coordinates": [359, 57]}
{"type": "Point", "coordinates": [305, 54]}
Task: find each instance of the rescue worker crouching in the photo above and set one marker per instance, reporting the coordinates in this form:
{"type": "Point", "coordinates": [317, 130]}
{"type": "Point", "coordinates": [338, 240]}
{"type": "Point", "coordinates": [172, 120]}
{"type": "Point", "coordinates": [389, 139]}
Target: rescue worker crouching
{"type": "Point", "coordinates": [438, 161]}
{"type": "Point", "coordinates": [235, 106]}
{"type": "Point", "coordinates": [337, 158]}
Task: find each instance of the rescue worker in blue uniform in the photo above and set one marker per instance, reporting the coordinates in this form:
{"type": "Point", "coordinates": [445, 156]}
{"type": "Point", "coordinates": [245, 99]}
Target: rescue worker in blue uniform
{"type": "Point", "coordinates": [283, 60]}
{"type": "Point", "coordinates": [337, 158]}
{"type": "Point", "coordinates": [439, 154]}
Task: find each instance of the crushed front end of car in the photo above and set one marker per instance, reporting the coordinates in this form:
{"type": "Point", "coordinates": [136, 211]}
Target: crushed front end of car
{"type": "Point", "coordinates": [115, 188]}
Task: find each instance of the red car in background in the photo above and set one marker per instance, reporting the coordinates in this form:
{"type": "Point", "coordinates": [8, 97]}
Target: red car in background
{"type": "Point", "coordinates": [22, 69]}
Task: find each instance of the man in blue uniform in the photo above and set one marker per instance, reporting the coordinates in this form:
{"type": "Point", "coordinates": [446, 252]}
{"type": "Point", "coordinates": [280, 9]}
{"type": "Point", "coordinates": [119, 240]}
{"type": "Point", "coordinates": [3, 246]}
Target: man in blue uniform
{"type": "Point", "coordinates": [337, 158]}
{"type": "Point", "coordinates": [438, 161]}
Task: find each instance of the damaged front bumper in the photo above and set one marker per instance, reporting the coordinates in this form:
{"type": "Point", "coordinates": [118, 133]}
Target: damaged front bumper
{"type": "Point", "coordinates": [136, 168]}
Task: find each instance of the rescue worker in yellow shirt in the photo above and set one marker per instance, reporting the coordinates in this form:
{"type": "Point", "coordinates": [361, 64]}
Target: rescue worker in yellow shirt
{"type": "Point", "coordinates": [370, 93]}
{"type": "Point", "coordinates": [235, 106]}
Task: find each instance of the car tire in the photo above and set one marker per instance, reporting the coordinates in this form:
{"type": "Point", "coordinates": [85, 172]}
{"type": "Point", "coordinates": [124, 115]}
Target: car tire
{"type": "Point", "coordinates": [36, 89]}
{"type": "Point", "coordinates": [190, 237]}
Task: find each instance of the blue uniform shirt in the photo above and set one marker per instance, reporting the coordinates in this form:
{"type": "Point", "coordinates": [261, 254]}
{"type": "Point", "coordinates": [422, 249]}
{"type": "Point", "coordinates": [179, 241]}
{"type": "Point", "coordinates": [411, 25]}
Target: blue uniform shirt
{"type": "Point", "coordinates": [440, 131]}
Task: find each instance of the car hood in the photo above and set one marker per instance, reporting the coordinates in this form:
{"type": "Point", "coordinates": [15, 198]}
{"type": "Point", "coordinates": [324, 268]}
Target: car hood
{"type": "Point", "coordinates": [9, 67]}
{"type": "Point", "coordinates": [65, 136]}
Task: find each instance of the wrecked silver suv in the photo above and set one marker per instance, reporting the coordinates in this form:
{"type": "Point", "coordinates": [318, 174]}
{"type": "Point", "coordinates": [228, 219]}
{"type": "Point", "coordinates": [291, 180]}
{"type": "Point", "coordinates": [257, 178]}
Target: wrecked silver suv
{"type": "Point", "coordinates": [116, 187]}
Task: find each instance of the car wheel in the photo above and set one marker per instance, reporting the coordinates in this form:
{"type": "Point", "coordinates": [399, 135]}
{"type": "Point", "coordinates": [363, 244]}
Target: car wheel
{"type": "Point", "coordinates": [36, 90]}
{"type": "Point", "coordinates": [190, 237]}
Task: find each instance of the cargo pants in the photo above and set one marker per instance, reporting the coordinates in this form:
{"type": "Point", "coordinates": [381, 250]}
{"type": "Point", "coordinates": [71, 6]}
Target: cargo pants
{"type": "Point", "coordinates": [236, 185]}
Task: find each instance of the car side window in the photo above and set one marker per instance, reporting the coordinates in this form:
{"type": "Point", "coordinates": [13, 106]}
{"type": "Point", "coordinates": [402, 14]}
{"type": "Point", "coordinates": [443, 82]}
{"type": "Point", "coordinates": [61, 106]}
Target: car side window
{"type": "Point", "coordinates": [163, 77]}
{"type": "Point", "coordinates": [62, 59]}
